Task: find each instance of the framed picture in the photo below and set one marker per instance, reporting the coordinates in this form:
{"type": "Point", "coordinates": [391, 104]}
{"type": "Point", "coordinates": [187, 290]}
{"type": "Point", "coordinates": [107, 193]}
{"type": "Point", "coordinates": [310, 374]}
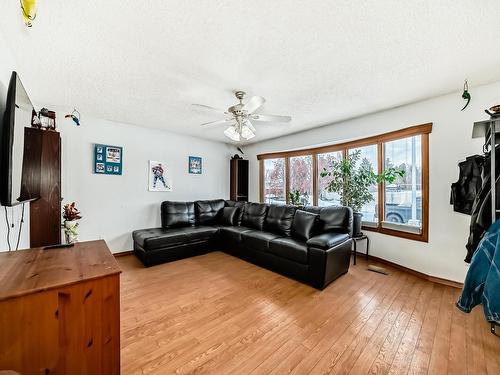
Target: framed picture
{"type": "Point", "coordinates": [195, 166]}
{"type": "Point", "coordinates": [108, 159]}
{"type": "Point", "coordinates": [159, 177]}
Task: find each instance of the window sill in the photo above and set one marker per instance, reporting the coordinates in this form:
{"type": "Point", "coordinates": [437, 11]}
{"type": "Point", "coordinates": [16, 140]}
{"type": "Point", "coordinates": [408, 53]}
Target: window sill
{"type": "Point", "coordinates": [422, 237]}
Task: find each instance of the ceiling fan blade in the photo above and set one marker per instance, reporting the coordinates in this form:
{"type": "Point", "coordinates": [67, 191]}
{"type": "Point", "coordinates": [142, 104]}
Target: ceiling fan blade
{"type": "Point", "coordinates": [250, 125]}
{"type": "Point", "coordinates": [272, 118]}
{"type": "Point", "coordinates": [210, 108]}
{"type": "Point", "coordinates": [217, 122]}
{"type": "Point", "coordinates": [253, 104]}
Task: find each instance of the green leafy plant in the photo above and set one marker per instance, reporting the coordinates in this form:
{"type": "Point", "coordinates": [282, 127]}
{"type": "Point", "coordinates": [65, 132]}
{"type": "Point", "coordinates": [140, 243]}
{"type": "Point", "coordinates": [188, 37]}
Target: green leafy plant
{"type": "Point", "coordinates": [352, 182]}
{"type": "Point", "coordinates": [294, 197]}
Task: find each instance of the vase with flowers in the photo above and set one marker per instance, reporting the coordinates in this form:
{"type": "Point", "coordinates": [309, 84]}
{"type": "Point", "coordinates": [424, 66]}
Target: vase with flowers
{"type": "Point", "coordinates": [71, 215]}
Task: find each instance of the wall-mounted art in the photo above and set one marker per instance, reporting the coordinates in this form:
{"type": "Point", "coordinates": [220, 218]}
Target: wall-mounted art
{"type": "Point", "coordinates": [159, 177]}
{"type": "Point", "coordinates": [195, 166]}
{"type": "Point", "coordinates": [108, 159]}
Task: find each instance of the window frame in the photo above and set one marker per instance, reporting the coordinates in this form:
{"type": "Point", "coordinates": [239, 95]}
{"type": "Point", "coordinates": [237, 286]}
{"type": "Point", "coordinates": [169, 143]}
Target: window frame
{"type": "Point", "coordinates": [423, 130]}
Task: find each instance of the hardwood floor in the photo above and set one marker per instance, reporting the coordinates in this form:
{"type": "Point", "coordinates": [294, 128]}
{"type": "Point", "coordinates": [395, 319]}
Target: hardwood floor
{"type": "Point", "coordinates": [221, 315]}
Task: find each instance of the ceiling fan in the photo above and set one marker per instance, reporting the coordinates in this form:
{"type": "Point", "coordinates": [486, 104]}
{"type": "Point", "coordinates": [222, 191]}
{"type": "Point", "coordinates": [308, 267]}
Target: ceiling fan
{"type": "Point", "coordinates": [240, 117]}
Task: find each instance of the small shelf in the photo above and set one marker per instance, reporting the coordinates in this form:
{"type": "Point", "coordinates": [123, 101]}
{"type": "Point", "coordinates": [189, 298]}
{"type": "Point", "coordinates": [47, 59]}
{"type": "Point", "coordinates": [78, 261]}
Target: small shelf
{"type": "Point", "coordinates": [481, 129]}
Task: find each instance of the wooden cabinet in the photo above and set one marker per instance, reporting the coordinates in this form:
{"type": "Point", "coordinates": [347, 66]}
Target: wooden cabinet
{"type": "Point", "coordinates": [239, 180]}
{"type": "Point", "coordinates": [60, 310]}
{"type": "Point", "coordinates": [44, 162]}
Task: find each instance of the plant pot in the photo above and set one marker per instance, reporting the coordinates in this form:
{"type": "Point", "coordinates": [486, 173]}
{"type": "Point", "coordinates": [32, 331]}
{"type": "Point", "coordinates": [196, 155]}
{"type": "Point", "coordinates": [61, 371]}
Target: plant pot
{"type": "Point", "coordinates": [357, 218]}
{"type": "Point", "coordinates": [71, 231]}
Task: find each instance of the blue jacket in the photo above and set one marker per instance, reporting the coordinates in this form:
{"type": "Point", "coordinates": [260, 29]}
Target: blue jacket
{"type": "Point", "coordinates": [482, 283]}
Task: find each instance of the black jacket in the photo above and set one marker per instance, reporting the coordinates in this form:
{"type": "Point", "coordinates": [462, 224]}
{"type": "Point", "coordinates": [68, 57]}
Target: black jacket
{"type": "Point", "coordinates": [481, 208]}
{"type": "Point", "coordinates": [465, 190]}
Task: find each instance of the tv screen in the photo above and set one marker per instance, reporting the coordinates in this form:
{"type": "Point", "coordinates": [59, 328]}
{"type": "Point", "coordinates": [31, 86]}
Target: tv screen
{"type": "Point", "coordinates": [18, 168]}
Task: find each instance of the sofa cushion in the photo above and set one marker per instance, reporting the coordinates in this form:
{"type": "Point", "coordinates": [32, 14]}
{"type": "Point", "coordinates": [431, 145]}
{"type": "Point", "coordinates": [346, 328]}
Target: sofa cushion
{"type": "Point", "coordinates": [208, 211]}
{"type": "Point", "coordinates": [254, 215]}
{"type": "Point", "coordinates": [232, 234]}
{"type": "Point", "coordinates": [336, 218]}
{"type": "Point", "coordinates": [177, 214]}
{"type": "Point", "coordinates": [199, 233]}
{"type": "Point", "coordinates": [257, 240]}
{"type": "Point", "coordinates": [303, 225]}
{"type": "Point", "coordinates": [240, 205]}
{"type": "Point", "coordinates": [289, 248]}
{"type": "Point", "coordinates": [327, 240]}
{"type": "Point", "coordinates": [279, 219]}
{"type": "Point", "coordinates": [333, 218]}
{"type": "Point", "coordinates": [155, 238]}
{"type": "Point", "coordinates": [229, 216]}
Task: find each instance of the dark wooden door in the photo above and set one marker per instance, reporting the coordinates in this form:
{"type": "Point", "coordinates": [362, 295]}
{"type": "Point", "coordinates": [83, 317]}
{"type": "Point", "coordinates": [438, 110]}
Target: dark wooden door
{"type": "Point", "coordinates": [45, 212]}
{"type": "Point", "coordinates": [239, 180]}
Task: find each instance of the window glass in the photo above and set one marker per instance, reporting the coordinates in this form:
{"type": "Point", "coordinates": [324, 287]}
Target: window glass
{"type": "Point", "coordinates": [301, 178]}
{"type": "Point", "coordinates": [368, 158]}
{"type": "Point", "coordinates": [326, 198]}
{"type": "Point", "coordinates": [274, 181]}
{"type": "Point", "coordinates": [403, 198]}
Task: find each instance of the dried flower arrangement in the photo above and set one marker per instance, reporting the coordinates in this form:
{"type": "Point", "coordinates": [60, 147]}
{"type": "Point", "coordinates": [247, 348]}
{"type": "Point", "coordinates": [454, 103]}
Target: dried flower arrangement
{"type": "Point", "coordinates": [70, 212]}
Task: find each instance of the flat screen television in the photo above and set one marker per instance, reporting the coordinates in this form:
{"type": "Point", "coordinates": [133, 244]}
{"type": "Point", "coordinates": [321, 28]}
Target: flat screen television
{"type": "Point", "coordinates": [19, 165]}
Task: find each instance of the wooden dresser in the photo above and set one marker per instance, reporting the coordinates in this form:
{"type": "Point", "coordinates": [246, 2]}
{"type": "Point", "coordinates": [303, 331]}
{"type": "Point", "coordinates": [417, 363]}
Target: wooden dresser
{"type": "Point", "coordinates": [60, 310]}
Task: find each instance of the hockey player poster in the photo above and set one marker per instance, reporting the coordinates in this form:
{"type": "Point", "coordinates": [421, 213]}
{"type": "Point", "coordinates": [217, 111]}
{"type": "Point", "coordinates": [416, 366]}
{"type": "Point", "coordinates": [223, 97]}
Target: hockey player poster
{"type": "Point", "coordinates": [159, 177]}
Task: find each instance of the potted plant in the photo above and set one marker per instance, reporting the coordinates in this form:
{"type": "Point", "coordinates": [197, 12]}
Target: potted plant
{"type": "Point", "coordinates": [352, 183]}
{"type": "Point", "coordinates": [294, 197]}
{"type": "Point", "coordinates": [71, 215]}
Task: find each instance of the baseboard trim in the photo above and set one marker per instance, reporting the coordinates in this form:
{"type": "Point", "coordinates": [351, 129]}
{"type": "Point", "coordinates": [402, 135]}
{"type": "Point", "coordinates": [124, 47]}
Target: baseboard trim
{"type": "Point", "coordinates": [434, 279]}
{"type": "Point", "coordinates": [123, 253]}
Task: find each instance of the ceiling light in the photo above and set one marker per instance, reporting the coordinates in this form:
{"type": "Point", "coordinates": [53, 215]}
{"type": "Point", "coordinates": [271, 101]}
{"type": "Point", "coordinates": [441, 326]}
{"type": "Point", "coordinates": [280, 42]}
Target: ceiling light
{"type": "Point", "coordinates": [232, 134]}
{"type": "Point", "coordinates": [246, 132]}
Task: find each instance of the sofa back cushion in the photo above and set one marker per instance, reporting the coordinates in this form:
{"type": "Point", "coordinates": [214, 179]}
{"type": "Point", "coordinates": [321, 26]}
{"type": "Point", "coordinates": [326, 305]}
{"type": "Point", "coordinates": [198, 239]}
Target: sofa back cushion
{"type": "Point", "coordinates": [304, 224]}
{"type": "Point", "coordinates": [254, 215]}
{"type": "Point", "coordinates": [230, 216]}
{"type": "Point", "coordinates": [336, 219]}
{"type": "Point", "coordinates": [279, 219]}
{"type": "Point", "coordinates": [208, 212]}
{"type": "Point", "coordinates": [177, 214]}
{"type": "Point", "coordinates": [240, 205]}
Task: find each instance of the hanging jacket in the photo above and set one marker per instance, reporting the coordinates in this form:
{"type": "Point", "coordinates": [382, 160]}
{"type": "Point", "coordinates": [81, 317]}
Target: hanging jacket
{"type": "Point", "coordinates": [481, 208]}
{"type": "Point", "coordinates": [482, 283]}
{"type": "Point", "coordinates": [464, 191]}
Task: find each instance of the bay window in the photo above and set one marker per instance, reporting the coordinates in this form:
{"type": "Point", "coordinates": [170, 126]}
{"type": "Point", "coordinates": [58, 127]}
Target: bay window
{"type": "Point", "coordinates": [399, 208]}
{"type": "Point", "coordinates": [369, 159]}
{"type": "Point", "coordinates": [274, 181]}
{"type": "Point", "coordinates": [324, 197]}
{"type": "Point", "coordinates": [301, 182]}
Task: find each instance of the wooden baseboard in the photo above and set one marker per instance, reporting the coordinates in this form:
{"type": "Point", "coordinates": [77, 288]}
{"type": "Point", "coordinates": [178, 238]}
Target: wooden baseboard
{"type": "Point", "coordinates": [123, 253]}
{"type": "Point", "coordinates": [422, 275]}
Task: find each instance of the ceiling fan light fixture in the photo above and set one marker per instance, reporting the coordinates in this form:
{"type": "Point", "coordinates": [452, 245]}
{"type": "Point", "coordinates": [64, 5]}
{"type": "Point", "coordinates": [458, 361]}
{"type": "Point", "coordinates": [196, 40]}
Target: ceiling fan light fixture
{"type": "Point", "coordinates": [246, 132]}
{"type": "Point", "coordinates": [232, 134]}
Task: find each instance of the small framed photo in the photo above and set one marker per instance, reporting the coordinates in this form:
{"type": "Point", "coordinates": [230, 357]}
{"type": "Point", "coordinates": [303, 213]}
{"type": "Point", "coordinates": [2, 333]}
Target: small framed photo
{"type": "Point", "coordinates": [195, 165]}
{"type": "Point", "coordinates": [99, 168]}
{"type": "Point", "coordinates": [108, 159]}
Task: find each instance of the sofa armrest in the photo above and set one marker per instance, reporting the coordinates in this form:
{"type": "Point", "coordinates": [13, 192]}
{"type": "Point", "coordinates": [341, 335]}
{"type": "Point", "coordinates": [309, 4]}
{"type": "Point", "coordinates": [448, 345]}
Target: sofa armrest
{"type": "Point", "coordinates": [327, 240]}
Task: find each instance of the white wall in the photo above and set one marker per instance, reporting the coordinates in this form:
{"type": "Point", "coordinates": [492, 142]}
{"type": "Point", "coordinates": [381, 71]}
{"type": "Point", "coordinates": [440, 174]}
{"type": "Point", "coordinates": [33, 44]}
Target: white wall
{"type": "Point", "coordinates": [113, 206]}
{"type": "Point", "coordinates": [450, 142]}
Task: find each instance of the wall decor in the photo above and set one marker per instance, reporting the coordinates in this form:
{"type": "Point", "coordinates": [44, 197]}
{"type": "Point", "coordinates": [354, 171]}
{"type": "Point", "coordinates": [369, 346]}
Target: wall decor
{"type": "Point", "coordinates": [466, 94]}
{"type": "Point", "coordinates": [195, 166]}
{"type": "Point", "coordinates": [159, 179]}
{"type": "Point", "coordinates": [108, 159]}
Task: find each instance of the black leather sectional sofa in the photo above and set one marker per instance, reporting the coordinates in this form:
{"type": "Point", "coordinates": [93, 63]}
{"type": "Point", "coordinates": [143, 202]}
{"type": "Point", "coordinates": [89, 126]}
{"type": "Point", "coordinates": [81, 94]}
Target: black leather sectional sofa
{"type": "Point", "coordinates": [311, 244]}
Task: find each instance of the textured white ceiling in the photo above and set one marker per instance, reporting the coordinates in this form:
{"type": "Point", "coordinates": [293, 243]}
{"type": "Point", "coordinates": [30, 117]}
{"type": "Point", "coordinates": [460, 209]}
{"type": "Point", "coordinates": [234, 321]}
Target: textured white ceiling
{"type": "Point", "coordinates": [145, 61]}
